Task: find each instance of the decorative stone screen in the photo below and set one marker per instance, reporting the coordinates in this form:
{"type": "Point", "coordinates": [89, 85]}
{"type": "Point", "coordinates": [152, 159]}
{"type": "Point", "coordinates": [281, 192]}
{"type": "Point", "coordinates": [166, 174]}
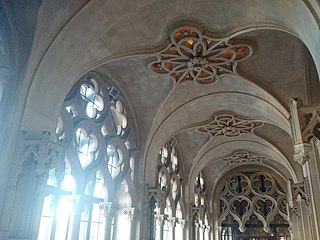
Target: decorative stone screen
{"type": "Point", "coordinates": [253, 203]}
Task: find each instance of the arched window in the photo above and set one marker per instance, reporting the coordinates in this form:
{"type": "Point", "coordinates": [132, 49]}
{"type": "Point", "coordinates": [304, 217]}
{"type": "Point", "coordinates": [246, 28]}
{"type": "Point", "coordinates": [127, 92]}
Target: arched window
{"type": "Point", "coordinates": [84, 189]}
{"type": "Point", "coordinates": [167, 208]}
{"type": "Point", "coordinates": [253, 205]}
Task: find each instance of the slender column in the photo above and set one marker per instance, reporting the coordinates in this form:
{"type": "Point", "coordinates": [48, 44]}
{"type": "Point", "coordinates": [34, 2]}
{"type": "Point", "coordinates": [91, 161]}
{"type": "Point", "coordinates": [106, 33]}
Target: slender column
{"type": "Point", "coordinates": [299, 211]}
{"type": "Point", "coordinates": [124, 221]}
{"type": "Point", "coordinates": [108, 213]}
{"type": "Point", "coordinates": [306, 152]}
{"type": "Point", "coordinates": [312, 175]}
{"type": "Point", "coordinates": [172, 223]}
{"type": "Point", "coordinates": [202, 231]}
{"type": "Point", "coordinates": [160, 218]}
{"type": "Point", "coordinates": [77, 211]}
{"type": "Point", "coordinates": [207, 233]}
{"type": "Point", "coordinates": [197, 230]}
{"type": "Point", "coordinates": [305, 219]}
{"type": "Point", "coordinates": [181, 226]}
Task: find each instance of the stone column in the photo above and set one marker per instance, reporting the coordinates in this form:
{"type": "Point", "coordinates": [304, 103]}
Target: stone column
{"type": "Point", "coordinates": [207, 233]}
{"type": "Point", "coordinates": [172, 223]}
{"type": "Point", "coordinates": [109, 214]}
{"type": "Point", "coordinates": [181, 223]}
{"type": "Point", "coordinates": [160, 218]}
{"type": "Point", "coordinates": [305, 124]}
{"type": "Point", "coordinates": [312, 178]}
{"type": "Point", "coordinates": [128, 215]}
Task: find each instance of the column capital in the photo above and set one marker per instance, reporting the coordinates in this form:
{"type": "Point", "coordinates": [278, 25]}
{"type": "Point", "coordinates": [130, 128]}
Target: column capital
{"type": "Point", "coordinates": [301, 152]}
{"type": "Point", "coordinates": [172, 221]}
{"type": "Point", "coordinates": [46, 153]}
{"type": "Point", "coordinates": [180, 221]}
{"type": "Point", "coordinates": [129, 213]}
{"type": "Point", "coordinates": [160, 218]}
{"type": "Point", "coordinates": [108, 209]}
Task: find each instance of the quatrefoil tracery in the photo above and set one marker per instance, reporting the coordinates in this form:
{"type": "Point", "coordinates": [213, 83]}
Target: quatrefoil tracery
{"type": "Point", "coordinates": [194, 56]}
{"type": "Point", "coordinates": [246, 195]}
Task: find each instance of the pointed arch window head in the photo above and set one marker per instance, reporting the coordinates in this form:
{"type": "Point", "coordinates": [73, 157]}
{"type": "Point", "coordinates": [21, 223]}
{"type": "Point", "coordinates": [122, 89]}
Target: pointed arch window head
{"type": "Point", "coordinates": [94, 128]}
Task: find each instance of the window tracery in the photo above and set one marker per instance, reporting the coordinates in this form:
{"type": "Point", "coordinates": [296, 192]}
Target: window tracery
{"type": "Point", "coordinates": [194, 56]}
{"type": "Point", "coordinates": [94, 130]}
{"type": "Point", "coordinates": [253, 203]}
{"type": "Point", "coordinates": [200, 221]}
{"type": "Point", "coordinates": [166, 197]}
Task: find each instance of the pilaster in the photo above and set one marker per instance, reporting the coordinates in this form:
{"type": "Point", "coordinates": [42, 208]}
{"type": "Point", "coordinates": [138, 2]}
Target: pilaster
{"type": "Point", "coordinates": [305, 123]}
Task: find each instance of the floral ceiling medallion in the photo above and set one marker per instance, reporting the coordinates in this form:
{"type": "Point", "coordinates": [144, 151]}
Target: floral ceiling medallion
{"type": "Point", "coordinates": [242, 157]}
{"type": "Point", "coordinates": [229, 125]}
{"type": "Point", "coordinates": [193, 56]}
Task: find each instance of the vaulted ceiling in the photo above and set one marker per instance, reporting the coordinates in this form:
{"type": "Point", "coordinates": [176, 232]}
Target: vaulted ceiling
{"type": "Point", "coordinates": [120, 41]}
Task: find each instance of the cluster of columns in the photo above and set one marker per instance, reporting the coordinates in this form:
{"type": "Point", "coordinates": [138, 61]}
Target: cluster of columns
{"type": "Point", "coordinates": [175, 225]}
{"type": "Point", "coordinates": [304, 195]}
{"type": "Point", "coordinates": [202, 228]}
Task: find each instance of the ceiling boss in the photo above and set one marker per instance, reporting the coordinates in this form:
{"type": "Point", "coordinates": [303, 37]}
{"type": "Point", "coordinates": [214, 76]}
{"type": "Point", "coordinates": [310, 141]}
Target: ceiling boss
{"type": "Point", "coordinates": [194, 56]}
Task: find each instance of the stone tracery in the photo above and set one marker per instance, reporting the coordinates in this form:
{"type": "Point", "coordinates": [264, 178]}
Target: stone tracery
{"type": "Point", "coordinates": [244, 157]}
{"type": "Point", "coordinates": [248, 195]}
{"type": "Point", "coordinates": [194, 56]}
{"type": "Point", "coordinates": [229, 125]}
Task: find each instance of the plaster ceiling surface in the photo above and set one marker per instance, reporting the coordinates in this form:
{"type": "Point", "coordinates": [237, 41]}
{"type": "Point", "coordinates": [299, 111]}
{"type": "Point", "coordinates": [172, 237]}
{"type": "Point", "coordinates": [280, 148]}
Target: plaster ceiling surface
{"type": "Point", "coordinates": [278, 65]}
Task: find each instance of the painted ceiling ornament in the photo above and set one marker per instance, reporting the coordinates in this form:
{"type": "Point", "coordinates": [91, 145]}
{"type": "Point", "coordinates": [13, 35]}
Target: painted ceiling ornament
{"type": "Point", "coordinates": [243, 157]}
{"type": "Point", "coordinates": [229, 125]}
{"type": "Point", "coordinates": [193, 56]}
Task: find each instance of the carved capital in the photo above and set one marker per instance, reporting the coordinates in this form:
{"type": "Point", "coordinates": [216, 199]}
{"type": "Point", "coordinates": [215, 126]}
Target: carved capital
{"type": "Point", "coordinates": [129, 213]}
{"type": "Point", "coordinates": [301, 152]}
{"type": "Point", "coordinates": [160, 218]}
{"type": "Point", "coordinates": [299, 190]}
{"type": "Point", "coordinates": [108, 209]}
{"type": "Point", "coordinates": [43, 151]}
{"type": "Point", "coordinates": [172, 221]}
{"type": "Point", "coordinates": [181, 222]}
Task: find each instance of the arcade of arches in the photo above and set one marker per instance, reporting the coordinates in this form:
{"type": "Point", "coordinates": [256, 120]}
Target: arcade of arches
{"type": "Point", "coordinates": [160, 120]}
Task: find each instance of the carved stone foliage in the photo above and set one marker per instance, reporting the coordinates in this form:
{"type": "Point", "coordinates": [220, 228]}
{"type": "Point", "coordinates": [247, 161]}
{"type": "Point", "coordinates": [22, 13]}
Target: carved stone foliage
{"type": "Point", "coordinates": [229, 125]}
{"type": "Point", "coordinates": [299, 189]}
{"type": "Point", "coordinates": [47, 154]}
{"type": "Point", "coordinates": [252, 195]}
{"type": "Point", "coordinates": [244, 157]}
{"type": "Point", "coordinates": [193, 55]}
